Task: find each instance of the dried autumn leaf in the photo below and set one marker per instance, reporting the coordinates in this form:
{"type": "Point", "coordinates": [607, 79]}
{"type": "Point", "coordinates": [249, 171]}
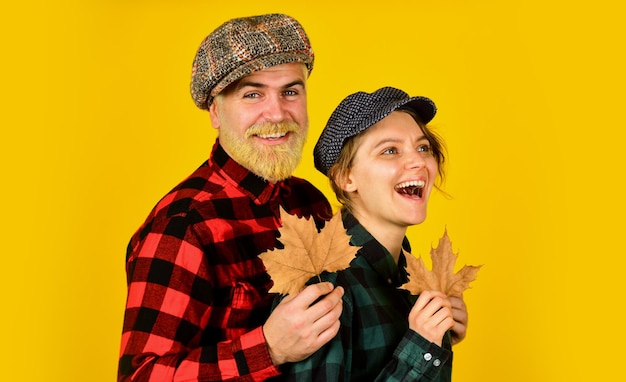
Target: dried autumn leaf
{"type": "Point", "coordinates": [307, 252]}
{"type": "Point", "coordinates": [442, 276]}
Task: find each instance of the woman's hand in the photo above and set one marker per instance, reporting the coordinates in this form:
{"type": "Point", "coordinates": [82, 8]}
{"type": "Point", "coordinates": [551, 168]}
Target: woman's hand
{"type": "Point", "coordinates": [431, 316]}
{"type": "Point", "coordinates": [459, 313]}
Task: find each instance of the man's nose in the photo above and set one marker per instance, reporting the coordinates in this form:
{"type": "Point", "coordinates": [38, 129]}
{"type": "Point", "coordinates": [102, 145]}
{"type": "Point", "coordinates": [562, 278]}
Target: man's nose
{"type": "Point", "coordinates": [274, 109]}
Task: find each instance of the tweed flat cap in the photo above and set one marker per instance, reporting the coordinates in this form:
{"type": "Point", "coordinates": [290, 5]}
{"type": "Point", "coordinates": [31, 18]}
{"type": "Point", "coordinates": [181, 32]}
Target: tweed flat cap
{"type": "Point", "coordinates": [245, 45]}
{"type": "Point", "coordinates": [356, 113]}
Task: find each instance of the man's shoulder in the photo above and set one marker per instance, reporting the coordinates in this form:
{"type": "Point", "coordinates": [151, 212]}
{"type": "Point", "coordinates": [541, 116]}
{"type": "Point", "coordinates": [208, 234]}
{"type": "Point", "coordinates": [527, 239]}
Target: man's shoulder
{"type": "Point", "coordinates": [304, 196]}
{"type": "Point", "coordinates": [186, 195]}
{"type": "Point", "coordinates": [304, 185]}
{"type": "Point", "coordinates": [195, 187]}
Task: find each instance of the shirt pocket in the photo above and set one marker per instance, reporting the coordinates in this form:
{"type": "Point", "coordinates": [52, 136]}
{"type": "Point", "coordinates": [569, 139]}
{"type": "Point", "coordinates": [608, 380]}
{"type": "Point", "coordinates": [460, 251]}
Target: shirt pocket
{"type": "Point", "coordinates": [248, 306]}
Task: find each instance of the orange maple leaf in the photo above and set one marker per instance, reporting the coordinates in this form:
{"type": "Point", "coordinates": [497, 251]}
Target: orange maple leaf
{"type": "Point", "coordinates": [307, 252]}
{"type": "Point", "coordinates": [442, 276]}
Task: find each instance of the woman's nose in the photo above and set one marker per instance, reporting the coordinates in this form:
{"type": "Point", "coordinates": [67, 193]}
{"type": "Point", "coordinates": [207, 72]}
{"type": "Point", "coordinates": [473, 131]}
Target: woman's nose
{"type": "Point", "coordinates": [415, 160]}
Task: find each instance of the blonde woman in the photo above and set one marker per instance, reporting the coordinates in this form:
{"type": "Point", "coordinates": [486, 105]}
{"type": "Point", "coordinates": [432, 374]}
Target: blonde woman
{"type": "Point", "coordinates": [383, 162]}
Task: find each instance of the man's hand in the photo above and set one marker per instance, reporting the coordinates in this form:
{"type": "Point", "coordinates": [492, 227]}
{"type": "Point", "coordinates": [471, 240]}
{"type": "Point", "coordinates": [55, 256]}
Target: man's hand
{"type": "Point", "coordinates": [296, 329]}
{"type": "Point", "coordinates": [459, 313]}
{"type": "Point", "coordinates": [431, 316]}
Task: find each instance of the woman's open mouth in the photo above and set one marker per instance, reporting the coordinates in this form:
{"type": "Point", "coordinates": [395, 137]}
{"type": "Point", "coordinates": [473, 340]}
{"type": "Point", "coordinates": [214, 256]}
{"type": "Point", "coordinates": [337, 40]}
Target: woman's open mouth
{"type": "Point", "coordinates": [411, 188]}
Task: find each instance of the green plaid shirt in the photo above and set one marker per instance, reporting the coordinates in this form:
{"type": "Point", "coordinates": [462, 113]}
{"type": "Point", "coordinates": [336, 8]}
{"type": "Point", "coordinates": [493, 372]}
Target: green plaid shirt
{"type": "Point", "coordinates": [374, 342]}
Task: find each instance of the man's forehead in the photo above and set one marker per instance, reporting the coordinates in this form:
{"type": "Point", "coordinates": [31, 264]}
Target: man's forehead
{"type": "Point", "coordinates": [292, 68]}
{"type": "Point", "coordinates": [285, 75]}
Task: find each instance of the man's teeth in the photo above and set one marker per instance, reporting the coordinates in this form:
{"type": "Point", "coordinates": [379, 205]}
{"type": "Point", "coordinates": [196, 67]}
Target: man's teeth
{"type": "Point", "coordinates": [413, 183]}
{"type": "Point", "coordinates": [272, 136]}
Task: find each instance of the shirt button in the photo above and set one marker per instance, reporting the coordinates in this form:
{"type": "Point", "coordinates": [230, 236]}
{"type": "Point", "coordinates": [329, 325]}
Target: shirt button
{"type": "Point", "coordinates": [389, 281]}
{"type": "Point", "coordinates": [437, 362]}
{"type": "Point", "coordinates": [428, 356]}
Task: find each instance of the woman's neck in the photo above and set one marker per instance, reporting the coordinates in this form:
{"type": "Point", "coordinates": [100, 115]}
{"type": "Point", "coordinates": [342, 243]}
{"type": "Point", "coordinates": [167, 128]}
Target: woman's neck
{"type": "Point", "coordinates": [389, 235]}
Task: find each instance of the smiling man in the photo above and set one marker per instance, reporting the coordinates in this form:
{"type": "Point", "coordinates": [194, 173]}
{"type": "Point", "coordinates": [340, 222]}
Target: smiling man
{"type": "Point", "coordinates": [198, 306]}
{"type": "Point", "coordinates": [262, 120]}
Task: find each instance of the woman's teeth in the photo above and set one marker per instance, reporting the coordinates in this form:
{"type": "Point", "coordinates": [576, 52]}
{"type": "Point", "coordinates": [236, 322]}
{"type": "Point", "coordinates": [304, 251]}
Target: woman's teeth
{"type": "Point", "coordinates": [413, 183]}
{"type": "Point", "coordinates": [413, 187]}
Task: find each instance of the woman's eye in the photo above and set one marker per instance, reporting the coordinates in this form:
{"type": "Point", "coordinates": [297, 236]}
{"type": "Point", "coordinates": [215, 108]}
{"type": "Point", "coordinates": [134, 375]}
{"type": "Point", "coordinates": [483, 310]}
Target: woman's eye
{"type": "Point", "coordinates": [423, 148]}
{"type": "Point", "coordinates": [390, 150]}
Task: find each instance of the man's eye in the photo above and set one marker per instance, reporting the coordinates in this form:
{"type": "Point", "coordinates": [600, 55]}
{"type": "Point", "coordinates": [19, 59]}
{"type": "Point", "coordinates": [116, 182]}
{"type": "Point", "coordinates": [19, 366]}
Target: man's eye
{"type": "Point", "coordinates": [251, 95]}
{"type": "Point", "coordinates": [290, 92]}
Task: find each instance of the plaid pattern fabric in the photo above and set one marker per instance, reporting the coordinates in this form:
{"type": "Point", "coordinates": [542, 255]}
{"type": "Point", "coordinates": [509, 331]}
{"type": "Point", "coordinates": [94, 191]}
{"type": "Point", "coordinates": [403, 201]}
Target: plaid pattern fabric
{"type": "Point", "coordinates": [374, 342]}
{"type": "Point", "coordinates": [244, 45]}
{"type": "Point", "coordinates": [197, 292]}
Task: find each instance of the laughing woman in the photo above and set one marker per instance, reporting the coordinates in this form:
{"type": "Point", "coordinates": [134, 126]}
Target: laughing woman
{"type": "Point", "coordinates": [382, 161]}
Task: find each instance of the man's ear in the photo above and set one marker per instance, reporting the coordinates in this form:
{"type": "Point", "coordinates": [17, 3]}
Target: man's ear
{"type": "Point", "coordinates": [213, 114]}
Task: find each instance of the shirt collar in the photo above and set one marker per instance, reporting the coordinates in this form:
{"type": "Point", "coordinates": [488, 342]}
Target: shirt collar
{"type": "Point", "coordinates": [259, 189]}
{"type": "Point", "coordinates": [375, 253]}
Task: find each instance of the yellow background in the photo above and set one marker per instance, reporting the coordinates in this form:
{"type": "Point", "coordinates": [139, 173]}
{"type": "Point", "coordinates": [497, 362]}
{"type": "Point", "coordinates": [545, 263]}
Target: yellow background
{"type": "Point", "coordinates": [97, 124]}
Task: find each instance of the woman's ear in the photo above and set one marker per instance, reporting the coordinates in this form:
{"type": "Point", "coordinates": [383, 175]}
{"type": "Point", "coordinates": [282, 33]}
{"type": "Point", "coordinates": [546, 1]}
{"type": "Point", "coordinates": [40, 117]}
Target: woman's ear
{"type": "Point", "coordinates": [346, 182]}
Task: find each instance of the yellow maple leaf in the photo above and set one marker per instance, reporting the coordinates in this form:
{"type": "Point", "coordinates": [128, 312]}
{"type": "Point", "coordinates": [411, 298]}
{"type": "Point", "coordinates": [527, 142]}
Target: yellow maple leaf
{"type": "Point", "coordinates": [442, 276]}
{"type": "Point", "coordinates": [307, 252]}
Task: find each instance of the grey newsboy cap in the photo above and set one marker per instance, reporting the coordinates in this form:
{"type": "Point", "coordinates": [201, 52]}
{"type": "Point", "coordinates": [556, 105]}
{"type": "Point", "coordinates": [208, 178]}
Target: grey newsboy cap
{"type": "Point", "coordinates": [357, 112]}
{"type": "Point", "coordinates": [245, 45]}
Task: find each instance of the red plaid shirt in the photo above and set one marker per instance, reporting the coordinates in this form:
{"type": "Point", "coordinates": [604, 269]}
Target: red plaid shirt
{"type": "Point", "coordinates": [197, 292]}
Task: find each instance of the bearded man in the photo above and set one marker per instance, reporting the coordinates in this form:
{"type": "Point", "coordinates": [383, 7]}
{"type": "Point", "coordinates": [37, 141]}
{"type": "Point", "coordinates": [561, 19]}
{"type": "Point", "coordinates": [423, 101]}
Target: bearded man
{"type": "Point", "coordinates": [198, 306]}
